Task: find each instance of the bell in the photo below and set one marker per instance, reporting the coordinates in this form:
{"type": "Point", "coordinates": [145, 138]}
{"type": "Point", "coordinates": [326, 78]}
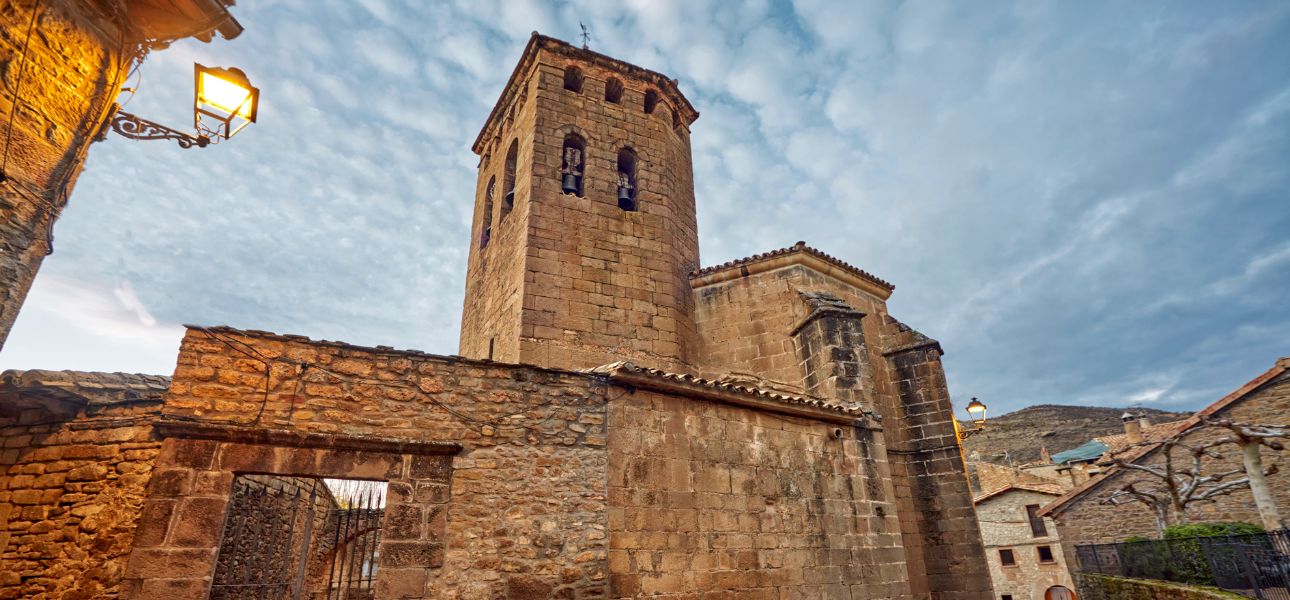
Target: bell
{"type": "Point", "coordinates": [625, 201]}
{"type": "Point", "coordinates": [569, 183]}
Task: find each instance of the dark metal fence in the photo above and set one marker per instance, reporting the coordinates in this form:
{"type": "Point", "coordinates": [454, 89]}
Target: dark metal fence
{"type": "Point", "coordinates": [1256, 565]}
{"type": "Point", "coordinates": [298, 538]}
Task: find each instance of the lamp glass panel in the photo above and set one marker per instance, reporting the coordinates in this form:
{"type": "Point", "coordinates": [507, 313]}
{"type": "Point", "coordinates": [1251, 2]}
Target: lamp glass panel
{"type": "Point", "coordinates": [225, 95]}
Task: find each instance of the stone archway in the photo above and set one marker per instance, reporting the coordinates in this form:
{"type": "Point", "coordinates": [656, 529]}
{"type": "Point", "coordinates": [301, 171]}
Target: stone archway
{"type": "Point", "coordinates": [1059, 592]}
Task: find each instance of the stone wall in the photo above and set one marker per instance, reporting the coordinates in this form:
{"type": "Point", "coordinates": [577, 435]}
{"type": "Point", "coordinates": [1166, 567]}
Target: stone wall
{"type": "Point", "coordinates": [527, 506]}
{"type": "Point", "coordinates": [71, 488]}
{"type": "Point", "coordinates": [942, 537]}
{"type": "Point", "coordinates": [1092, 586]}
{"type": "Point", "coordinates": [1088, 519]}
{"type": "Point", "coordinates": [747, 313]}
{"type": "Point", "coordinates": [745, 323]}
{"type": "Point", "coordinates": [1005, 525]}
{"type": "Point", "coordinates": [706, 497]}
{"type": "Point", "coordinates": [63, 90]}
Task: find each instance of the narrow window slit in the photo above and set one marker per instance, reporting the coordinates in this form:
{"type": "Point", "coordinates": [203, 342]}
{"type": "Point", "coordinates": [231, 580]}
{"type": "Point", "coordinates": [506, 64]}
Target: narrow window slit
{"type": "Point", "coordinates": [508, 198]}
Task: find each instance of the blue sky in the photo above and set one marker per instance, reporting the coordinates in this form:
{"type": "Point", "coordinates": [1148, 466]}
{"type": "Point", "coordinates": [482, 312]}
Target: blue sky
{"type": "Point", "coordinates": [1086, 202]}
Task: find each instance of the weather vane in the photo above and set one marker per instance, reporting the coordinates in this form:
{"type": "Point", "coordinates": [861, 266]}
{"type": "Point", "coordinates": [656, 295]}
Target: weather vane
{"type": "Point", "coordinates": [586, 35]}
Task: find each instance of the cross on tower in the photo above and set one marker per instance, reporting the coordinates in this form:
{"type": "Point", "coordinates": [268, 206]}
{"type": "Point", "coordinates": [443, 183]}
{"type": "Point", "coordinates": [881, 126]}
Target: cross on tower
{"type": "Point", "coordinates": [586, 35]}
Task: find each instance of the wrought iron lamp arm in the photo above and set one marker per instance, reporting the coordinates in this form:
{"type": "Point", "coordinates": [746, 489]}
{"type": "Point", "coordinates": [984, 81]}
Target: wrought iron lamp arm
{"type": "Point", "coordinates": [139, 128]}
{"type": "Point", "coordinates": [967, 433]}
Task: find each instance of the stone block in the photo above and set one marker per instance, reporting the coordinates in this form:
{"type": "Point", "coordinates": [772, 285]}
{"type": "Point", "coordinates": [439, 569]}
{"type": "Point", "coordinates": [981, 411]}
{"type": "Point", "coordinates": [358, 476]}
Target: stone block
{"type": "Point", "coordinates": [199, 523]}
{"type": "Point", "coordinates": [196, 454]}
{"type": "Point", "coordinates": [403, 522]}
{"type": "Point", "coordinates": [402, 584]}
{"type": "Point", "coordinates": [170, 482]}
{"type": "Point", "coordinates": [168, 589]}
{"type": "Point", "coordinates": [170, 563]}
{"type": "Point", "coordinates": [154, 522]}
{"type": "Point", "coordinates": [399, 554]}
{"type": "Point", "coordinates": [246, 458]}
{"type": "Point", "coordinates": [432, 468]}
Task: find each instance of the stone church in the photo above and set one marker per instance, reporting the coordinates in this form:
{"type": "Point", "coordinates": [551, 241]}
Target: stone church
{"type": "Point", "coordinates": [620, 422]}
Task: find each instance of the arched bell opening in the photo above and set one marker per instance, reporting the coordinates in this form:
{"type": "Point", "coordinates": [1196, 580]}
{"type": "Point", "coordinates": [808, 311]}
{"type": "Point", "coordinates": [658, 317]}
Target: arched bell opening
{"type": "Point", "coordinates": [627, 187]}
{"type": "Point", "coordinates": [572, 164]}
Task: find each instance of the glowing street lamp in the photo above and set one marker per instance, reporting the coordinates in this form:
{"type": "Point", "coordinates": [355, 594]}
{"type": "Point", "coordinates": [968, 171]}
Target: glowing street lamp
{"type": "Point", "coordinates": [221, 99]}
{"type": "Point", "coordinates": [976, 412]}
{"type": "Point", "coordinates": [224, 101]}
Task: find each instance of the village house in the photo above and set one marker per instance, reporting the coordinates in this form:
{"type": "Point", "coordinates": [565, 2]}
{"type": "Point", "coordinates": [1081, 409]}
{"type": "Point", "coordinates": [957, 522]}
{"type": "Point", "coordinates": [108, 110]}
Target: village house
{"type": "Point", "coordinates": [1084, 515]}
{"type": "Point", "coordinates": [620, 423]}
{"type": "Point", "coordinates": [1023, 549]}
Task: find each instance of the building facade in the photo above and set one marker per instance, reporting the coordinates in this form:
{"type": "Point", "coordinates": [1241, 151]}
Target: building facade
{"type": "Point", "coordinates": [1023, 549]}
{"type": "Point", "coordinates": [620, 423]}
{"type": "Point", "coordinates": [65, 62]}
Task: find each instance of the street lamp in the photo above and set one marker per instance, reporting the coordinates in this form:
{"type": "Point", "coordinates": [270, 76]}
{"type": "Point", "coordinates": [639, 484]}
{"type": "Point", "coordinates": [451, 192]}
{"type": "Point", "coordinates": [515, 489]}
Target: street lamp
{"type": "Point", "coordinates": [976, 411]}
{"type": "Point", "coordinates": [224, 101]}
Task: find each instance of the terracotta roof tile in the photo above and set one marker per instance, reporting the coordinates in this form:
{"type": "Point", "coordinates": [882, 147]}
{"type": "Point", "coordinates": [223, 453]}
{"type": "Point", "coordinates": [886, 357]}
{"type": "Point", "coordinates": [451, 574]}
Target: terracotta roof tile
{"type": "Point", "coordinates": [1051, 489]}
{"type": "Point", "coordinates": [792, 400]}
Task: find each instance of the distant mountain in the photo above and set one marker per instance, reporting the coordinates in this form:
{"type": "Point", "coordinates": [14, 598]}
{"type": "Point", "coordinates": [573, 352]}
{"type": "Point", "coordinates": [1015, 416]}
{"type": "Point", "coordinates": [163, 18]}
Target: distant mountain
{"type": "Point", "coordinates": [1017, 436]}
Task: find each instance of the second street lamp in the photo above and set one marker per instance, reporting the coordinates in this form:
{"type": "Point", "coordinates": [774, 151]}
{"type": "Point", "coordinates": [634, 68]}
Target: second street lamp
{"type": "Point", "coordinates": [976, 411]}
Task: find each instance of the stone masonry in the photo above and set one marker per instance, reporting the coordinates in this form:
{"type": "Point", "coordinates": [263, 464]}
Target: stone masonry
{"type": "Point", "coordinates": [576, 282]}
{"type": "Point", "coordinates": [76, 450]}
{"type": "Point", "coordinates": [621, 424]}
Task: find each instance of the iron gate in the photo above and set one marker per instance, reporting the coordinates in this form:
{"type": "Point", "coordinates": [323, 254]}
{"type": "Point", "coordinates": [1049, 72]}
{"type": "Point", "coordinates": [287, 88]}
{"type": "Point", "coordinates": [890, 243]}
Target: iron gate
{"type": "Point", "coordinates": [299, 538]}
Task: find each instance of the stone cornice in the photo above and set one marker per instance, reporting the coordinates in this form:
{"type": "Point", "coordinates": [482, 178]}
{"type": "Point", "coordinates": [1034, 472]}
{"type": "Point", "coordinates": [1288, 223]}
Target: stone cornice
{"type": "Point", "coordinates": [285, 437]}
{"type": "Point", "coordinates": [797, 255]}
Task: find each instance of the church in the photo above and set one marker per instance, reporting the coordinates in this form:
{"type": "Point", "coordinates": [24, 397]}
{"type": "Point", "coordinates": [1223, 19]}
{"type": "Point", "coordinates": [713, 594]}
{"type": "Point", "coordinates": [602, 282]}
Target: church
{"type": "Point", "coordinates": [620, 421]}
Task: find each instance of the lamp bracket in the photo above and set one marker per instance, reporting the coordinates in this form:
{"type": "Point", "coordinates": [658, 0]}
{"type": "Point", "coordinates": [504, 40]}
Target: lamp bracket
{"type": "Point", "coordinates": [139, 128]}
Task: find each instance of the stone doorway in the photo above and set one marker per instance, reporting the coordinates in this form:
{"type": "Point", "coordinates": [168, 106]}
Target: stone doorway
{"type": "Point", "coordinates": [300, 538]}
{"type": "Point", "coordinates": [210, 480]}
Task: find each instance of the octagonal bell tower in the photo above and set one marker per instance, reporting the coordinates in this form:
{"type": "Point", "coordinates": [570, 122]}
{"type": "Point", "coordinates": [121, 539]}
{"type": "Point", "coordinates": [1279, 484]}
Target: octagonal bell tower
{"type": "Point", "coordinates": [584, 230]}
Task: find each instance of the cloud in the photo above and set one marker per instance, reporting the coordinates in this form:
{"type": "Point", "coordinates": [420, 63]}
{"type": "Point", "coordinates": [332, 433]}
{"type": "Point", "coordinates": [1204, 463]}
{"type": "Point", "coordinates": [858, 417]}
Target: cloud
{"type": "Point", "coordinates": [74, 324]}
{"type": "Point", "coordinates": [1084, 203]}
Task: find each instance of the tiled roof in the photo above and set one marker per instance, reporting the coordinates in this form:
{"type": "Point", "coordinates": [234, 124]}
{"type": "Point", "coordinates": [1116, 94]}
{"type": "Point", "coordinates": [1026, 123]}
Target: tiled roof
{"type": "Point", "coordinates": [793, 403]}
{"type": "Point", "coordinates": [798, 247]}
{"type": "Point", "coordinates": [1051, 489]}
{"type": "Point", "coordinates": [86, 386]}
{"type": "Point", "coordinates": [1118, 443]}
{"type": "Point", "coordinates": [1282, 365]}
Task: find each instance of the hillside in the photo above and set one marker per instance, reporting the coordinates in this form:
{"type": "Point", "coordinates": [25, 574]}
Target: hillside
{"type": "Point", "coordinates": [1019, 435]}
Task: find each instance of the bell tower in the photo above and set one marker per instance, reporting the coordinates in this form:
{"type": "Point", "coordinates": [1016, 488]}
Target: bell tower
{"type": "Point", "coordinates": [584, 232]}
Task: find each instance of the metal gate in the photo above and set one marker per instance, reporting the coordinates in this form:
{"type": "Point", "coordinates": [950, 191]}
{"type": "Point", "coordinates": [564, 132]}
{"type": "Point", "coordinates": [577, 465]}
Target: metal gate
{"type": "Point", "coordinates": [299, 538]}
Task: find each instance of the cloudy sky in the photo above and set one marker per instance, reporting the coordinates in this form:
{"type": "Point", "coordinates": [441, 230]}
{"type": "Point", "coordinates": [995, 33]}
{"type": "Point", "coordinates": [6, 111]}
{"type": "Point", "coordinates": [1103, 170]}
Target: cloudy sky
{"type": "Point", "coordinates": [1086, 202]}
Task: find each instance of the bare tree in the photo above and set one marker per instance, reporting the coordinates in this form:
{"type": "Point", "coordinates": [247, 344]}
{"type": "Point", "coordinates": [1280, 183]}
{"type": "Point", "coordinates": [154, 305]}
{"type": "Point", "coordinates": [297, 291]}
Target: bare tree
{"type": "Point", "coordinates": [1185, 477]}
{"type": "Point", "coordinates": [1251, 439]}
